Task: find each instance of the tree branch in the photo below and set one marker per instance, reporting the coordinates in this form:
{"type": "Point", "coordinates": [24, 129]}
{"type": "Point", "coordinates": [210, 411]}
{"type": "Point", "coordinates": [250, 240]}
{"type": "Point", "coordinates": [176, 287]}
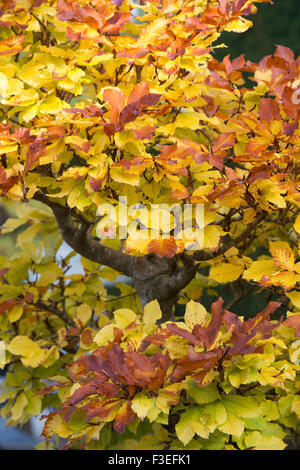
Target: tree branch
{"type": "Point", "coordinates": [80, 240]}
{"type": "Point", "coordinates": [183, 277]}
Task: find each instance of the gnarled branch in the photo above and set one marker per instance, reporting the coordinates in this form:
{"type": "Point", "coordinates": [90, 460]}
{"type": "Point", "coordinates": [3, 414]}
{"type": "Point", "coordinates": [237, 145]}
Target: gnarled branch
{"type": "Point", "coordinates": [80, 240]}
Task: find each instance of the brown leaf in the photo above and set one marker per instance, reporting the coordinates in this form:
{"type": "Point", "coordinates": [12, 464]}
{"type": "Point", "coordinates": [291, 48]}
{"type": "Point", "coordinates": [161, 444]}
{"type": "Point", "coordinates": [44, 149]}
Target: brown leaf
{"type": "Point", "coordinates": [269, 109]}
{"type": "Point", "coordinates": [123, 417]}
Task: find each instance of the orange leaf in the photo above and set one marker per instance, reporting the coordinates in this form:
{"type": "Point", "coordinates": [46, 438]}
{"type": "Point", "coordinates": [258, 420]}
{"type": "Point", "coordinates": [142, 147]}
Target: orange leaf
{"type": "Point", "coordinates": [224, 141]}
{"type": "Point", "coordinates": [268, 109]}
{"type": "Point", "coordinates": [163, 247]}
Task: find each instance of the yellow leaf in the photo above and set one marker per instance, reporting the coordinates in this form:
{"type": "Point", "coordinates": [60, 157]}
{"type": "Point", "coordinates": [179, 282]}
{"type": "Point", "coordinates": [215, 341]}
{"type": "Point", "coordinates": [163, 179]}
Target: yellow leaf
{"type": "Point", "coordinates": [243, 407]}
{"type": "Point", "coordinates": [118, 175]}
{"type": "Point", "coordinates": [234, 425]}
{"type": "Point", "coordinates": [15, 313]}
{"type": "Point", "coordinates": [83, 314]}
{"type": "Point", "coordinates": [283, 255]}
{"type": "Point", "coordinates": [297, 224]}
{"type": "Point", "coordinates": [195, 314]}
{"type": "Point", "coordinates": [18, 408]}
{"type": "Point", "coordinates": [294, 352]}
{"type": "Point", "coordinates": [212, 234]}
{"type": "Point", "coordinates": [296, 405]}
{"type": "Point", "coordinates": [259, 442]}
{"type": "Point", "coordinates": [152, 313]}
{"type": "Point", "coordinates": [3, 85]}
{"type": "Point", "coordinates": [226, 272]}
{"type": "Point", "coordinates": [105, 335]}
{"type": "Point", "coordinates": [260, 268]}
{"type": "Point", "coordinates": [123, 317]}
{"type": "Point", "coordinates": [141, 405]}
{"type": "Point", "coordinates": [52, 105]}
{"type": "Point", "coordinates": [238, 26]}
{"type": "Point", "coordinates": [184, 428]}
{"type": "Point", "coordinates": [294, 296]}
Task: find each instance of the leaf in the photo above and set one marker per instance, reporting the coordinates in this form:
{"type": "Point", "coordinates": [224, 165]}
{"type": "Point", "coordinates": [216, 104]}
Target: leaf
{"type": "Point", "coordinates": [105, 335]}
{"type": "Point", "coordinates": [260, 268]}
{"type": "Point", "coordinates": [82, 315]}
{"type": "Point", "coordinates": [243, 407]}
{"type": "Point", "coordinates": [297, 224]}
{"type": "Point", "coordinates": [239, 25]}
{"type": "Point", "coordinates": [257, 441]}
{"type": "Point", "coordinates": [123, 417]}
{"type": "Point", "coordinates": [195, 314]}
{"type": "Point", "coordinates": [32, 354]}
{"type": "Point", "coordinates": [224, 141]}
{"type": "Point", "coordinates": [282, 255]}
{"type": "Point", "coordinates": [152, 313]}
{"type": "Point", "coordinates": [233, 426]}
{"type": "Point", "coordinates": [163, 247]}
{"type": "Point", "coordinates": [226, 272]}
{"type": "Point", "coordinates": [124, 317]}
{"type": "Point", "coordinates": [295, 408]}
{"type": "Point", "coordinates": [18, 408]}
{"type": "Point", "coordinates": [294, 296]}
{"type": "Point", "coordinates": [203, 395]}
{"type": "Point", "coordinates": [268, 109]}
{"type": "Point", "coordinates": [116, 99]}
{"type": "Point", "coordinates": [184, 427]}
{"type": "Point", "coordinates": [150, 442]}
{"type": "Point", "coordinates": [15, 313]}
{"type": "Point", "coordinates": [141, 404]}
{"type": "Point", "coordinates": [3, 85]}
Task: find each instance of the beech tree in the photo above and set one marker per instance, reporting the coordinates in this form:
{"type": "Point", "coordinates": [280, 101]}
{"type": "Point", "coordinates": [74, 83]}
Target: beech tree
{"type": "Point", "coordinates": [124, 137]}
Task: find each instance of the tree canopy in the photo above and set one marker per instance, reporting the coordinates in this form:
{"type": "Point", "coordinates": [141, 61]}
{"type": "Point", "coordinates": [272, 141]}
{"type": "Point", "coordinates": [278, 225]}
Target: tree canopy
{"type": "Point", "coordinates": [117, 124]}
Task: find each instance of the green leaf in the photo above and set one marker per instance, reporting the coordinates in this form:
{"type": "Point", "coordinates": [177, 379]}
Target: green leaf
{"type": "Point", "coordinates": [184, 428]}
{"type": "Point", "coordinates": [141, 404]}
{"type": "Point", "coordinates": [243, 407]}
{"type": "Point", "coordinates": [203, 395]}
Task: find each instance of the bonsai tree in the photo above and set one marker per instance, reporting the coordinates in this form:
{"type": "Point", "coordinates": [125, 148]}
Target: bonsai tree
{"type": "Point", "coordinates": [123, 136]}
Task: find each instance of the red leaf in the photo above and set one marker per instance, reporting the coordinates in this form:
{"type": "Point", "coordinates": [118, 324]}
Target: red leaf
{"type": "Point", "coordinates": [134, 52]}
{"type": "Point", "coordinates": [208, 334]}
{"type": "Point", "coordinates": [115, 23]}
{"type": "Point", "coordinates": [140, 90]}
{"type": "Point", "coordinates": [269, 109]}
{"type": "Point", "coordinates": [224, 7]}
{"type": "Point", "coordinates": [97, 183]}
{"type": "Point", "coordinates": [286, 53]}
{"type": "Point", "coordinates": [143, 133]}
{"type": "Point", "coordinates": [35, 151]}
{"type": "Point", "coordinates": [123, 417]}
{"type": "Point", "coordinates": [185, 365]}
{"type": "Point", "coordinates": [12, 45]}
{"type": "Point", "coordinates": [238, 4]}
{"type": "Point", "coordinates": [217, 161]}
{"type": "Point", "coordinates": [264, 315]}
{"type": "Point", "coordinates": [7, 305]}
{"type": "Point", "coordinates": [224, 141]}
{"type": "Point", "coordinates": [177, 331]}
{"type": "Point", "coordinates": [293, 322]}
{"type": "Point", "coordinates": [3, 271]}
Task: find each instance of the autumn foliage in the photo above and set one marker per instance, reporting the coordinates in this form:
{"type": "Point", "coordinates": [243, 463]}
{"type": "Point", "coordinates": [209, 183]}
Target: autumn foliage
{"type": "Point", "coordinates": [108, 101]}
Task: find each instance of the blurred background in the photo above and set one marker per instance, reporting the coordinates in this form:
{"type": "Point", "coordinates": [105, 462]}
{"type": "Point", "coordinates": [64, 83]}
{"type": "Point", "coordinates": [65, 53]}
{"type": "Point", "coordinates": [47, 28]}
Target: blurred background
{"type": "Point", "coordinates": [274, 24]}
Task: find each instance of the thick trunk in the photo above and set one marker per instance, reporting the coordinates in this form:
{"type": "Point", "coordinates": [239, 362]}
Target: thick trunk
{"type": "Point", "coordinates": [161, 279]}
